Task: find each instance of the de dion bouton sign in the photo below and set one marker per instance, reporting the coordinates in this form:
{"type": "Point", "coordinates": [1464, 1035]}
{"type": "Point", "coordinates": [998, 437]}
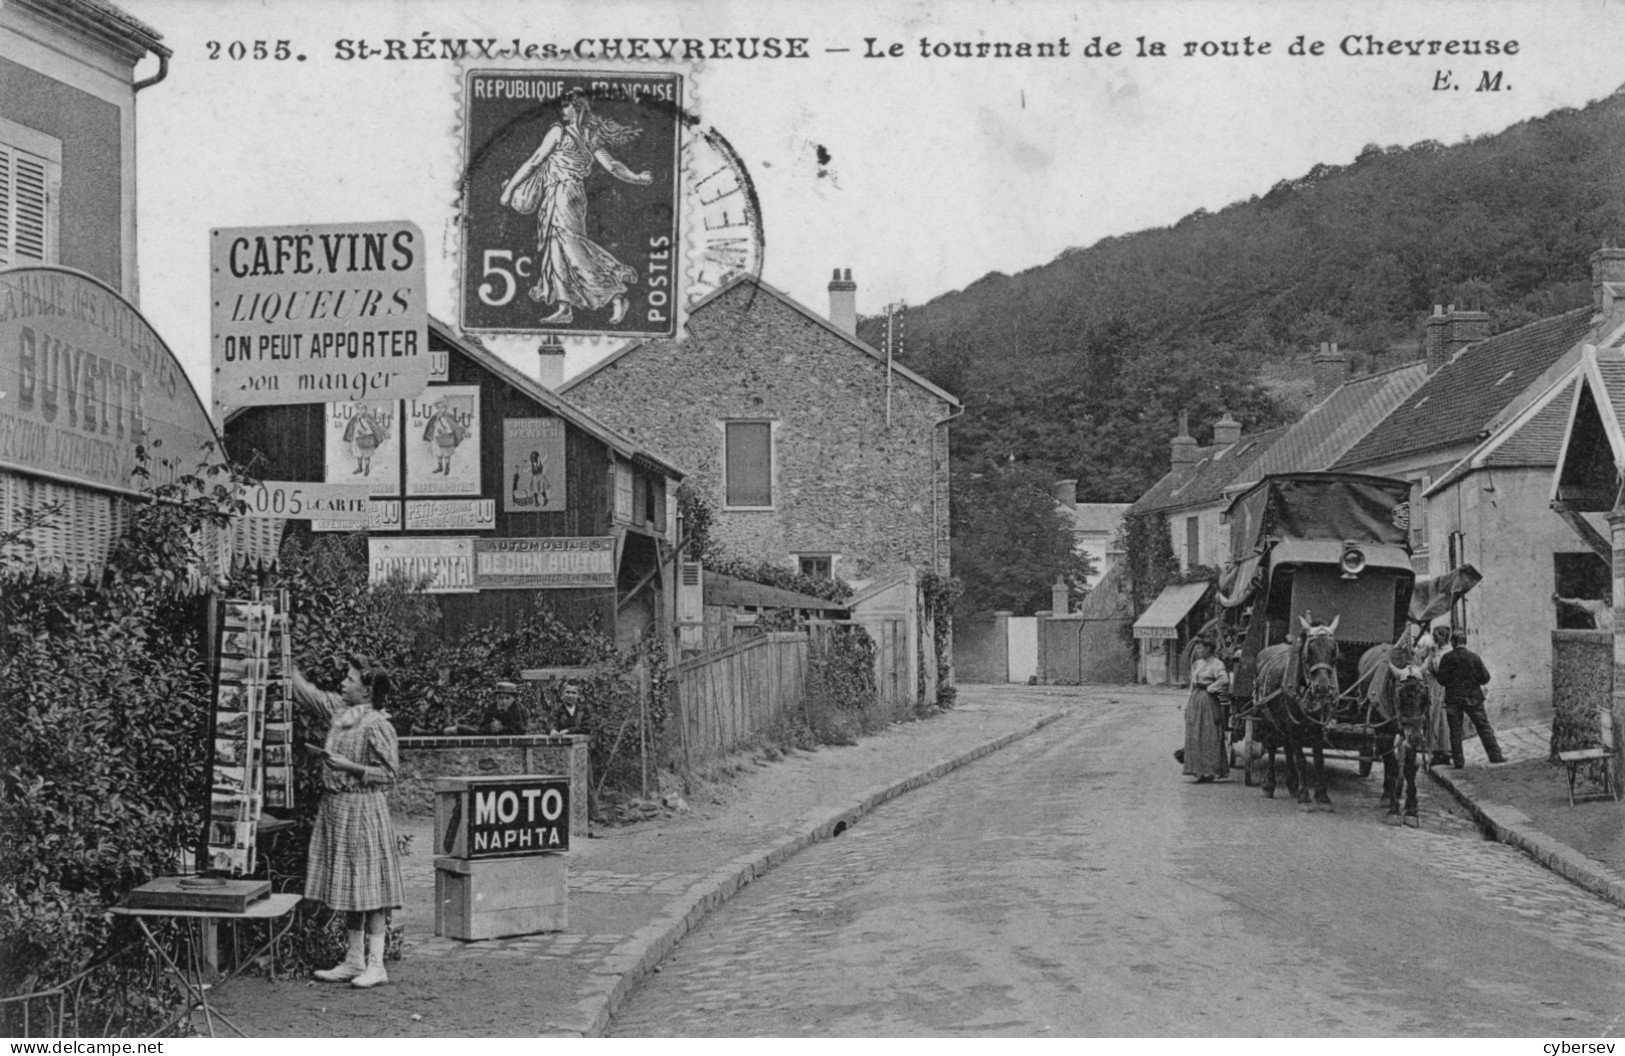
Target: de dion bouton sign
{"type": "Point", "coordinates": [318, 313]}
{"type": "Point", "coordinates": [84, 382]}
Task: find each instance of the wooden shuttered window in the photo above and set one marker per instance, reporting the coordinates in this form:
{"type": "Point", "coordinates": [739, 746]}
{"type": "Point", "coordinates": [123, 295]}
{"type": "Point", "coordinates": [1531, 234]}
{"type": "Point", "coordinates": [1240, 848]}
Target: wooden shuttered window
{"type": "Point", "coordinates": [30, 186]}
{"type": "Point", "coordinates": [1419, 513]}
{"type": "Point", "coordinates": [749, 464]}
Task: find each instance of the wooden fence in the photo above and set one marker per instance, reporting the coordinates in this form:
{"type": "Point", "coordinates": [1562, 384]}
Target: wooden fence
{"type": "Point", "coordinates": [726, 697]}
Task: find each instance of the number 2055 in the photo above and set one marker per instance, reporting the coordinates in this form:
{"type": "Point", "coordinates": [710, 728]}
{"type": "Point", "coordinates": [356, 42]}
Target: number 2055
{"type": "Point", "coordinates": [257, 49]}
{"type": "Point", "coordinates": [506, 269]}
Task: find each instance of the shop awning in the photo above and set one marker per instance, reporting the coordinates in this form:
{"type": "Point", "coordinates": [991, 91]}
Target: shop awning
{"type": "Point", "coordinates": [1161, 620]}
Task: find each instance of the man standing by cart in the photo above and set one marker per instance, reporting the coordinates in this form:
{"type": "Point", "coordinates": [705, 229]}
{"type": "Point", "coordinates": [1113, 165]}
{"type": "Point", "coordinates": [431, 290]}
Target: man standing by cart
{"type": "Point", "coordinates": [1464, 676]}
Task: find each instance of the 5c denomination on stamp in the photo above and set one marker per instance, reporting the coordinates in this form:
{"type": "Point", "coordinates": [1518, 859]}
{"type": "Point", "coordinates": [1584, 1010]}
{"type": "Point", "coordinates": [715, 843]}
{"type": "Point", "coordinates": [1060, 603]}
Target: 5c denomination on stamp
{"type": "Point", "coordinates": [571, 202]}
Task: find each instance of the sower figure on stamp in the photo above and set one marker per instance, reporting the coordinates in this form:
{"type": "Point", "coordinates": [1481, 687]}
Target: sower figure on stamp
{"type": "Point", "coordinates": [573, 271]}
{"type": "Point", "coordinates": [1464, 677]}
{"type": "Point", "coordinates": [353, 865]}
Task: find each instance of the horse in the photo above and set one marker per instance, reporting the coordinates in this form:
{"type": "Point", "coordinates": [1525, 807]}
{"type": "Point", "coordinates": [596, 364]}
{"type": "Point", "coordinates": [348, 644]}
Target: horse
{"type": "Point", "coordinates": [1402, 705]}
{"type": "Point", "coordinates": [1297, 688]}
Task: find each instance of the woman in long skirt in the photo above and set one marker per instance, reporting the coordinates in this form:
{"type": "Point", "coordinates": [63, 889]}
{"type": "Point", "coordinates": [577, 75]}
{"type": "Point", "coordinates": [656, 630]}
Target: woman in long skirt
{"type": "Point", "coordinates": [1204, 735]}
{"type": "Point", "coordinates": [353, 865]}
{"type": "Point", "coordinates": [1429, 648]}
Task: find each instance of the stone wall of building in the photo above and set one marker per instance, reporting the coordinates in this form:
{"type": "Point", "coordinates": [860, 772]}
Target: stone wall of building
{"type": "Point", "coordinates": [845, 482]}
{"type": "Point", "coordinates": [982, 649]}
{"type": "Point", "coordinates": [1510, 535]}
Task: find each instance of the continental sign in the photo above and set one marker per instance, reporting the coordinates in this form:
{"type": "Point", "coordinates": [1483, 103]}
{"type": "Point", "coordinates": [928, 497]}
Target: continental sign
{"type": "Point", "coordinates": [444, 565]}
{"type": "Point", "coordinates": [85, 381]}
{"type": "Point", "coordinates": [530, 564]}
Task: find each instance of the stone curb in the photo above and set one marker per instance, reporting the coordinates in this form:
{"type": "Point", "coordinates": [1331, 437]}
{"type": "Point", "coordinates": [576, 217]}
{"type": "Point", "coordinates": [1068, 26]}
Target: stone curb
{"type": "Point", "coordinates": [637, 957]}
{"type": "Point", "coordinates": [1512, 826]}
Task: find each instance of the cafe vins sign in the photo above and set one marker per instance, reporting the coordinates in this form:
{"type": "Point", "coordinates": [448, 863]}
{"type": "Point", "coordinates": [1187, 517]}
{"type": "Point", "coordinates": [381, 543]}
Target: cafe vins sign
{"type": "Point", "coordinates": [318, 313]}
{"type": "Point", "coordinates": [85, 381]}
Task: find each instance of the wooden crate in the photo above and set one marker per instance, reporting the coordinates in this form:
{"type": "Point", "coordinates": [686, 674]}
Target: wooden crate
{"type": "Point", "coordinates": [492, 898]}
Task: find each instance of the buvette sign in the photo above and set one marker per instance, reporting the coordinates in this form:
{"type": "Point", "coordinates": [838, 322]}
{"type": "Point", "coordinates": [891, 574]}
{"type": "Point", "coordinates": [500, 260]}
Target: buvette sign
{"type": "Point", "coordinates": [84, 382]}
{"type": "Point", "coordinates": [318, 313]}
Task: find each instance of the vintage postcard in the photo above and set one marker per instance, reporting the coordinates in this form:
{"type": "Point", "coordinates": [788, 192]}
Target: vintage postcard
{"type": "Point", "coordinates": [931, 376]}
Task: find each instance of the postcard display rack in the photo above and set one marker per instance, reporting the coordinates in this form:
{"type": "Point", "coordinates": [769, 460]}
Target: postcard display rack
{"type": "Point", "coordinates": [252, 730]}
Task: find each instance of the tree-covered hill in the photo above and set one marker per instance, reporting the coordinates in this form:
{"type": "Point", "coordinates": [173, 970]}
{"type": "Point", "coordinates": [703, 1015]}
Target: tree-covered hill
{"type": "Point", "coordinates": [1082, 364]}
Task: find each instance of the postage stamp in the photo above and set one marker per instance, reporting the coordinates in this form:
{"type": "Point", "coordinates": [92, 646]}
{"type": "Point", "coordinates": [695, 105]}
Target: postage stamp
{"type": "Point", "coordinates": [571, 202]}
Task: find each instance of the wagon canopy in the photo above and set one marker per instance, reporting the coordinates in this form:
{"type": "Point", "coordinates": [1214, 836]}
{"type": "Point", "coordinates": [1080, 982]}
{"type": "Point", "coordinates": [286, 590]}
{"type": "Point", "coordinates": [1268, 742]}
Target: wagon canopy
{"type": "Point", "coordinates": [1435, 596]}
{"type": "Point", "coordinates": [1309, 508]}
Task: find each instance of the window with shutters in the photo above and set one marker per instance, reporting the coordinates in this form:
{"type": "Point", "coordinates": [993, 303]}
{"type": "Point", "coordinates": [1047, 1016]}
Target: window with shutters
{"type": "Point", "coordinates": [30, 187]}
{"type": "Point", "coordinates": [1419, 512]}
{"type": "Point", "coordinates": [748, 466]}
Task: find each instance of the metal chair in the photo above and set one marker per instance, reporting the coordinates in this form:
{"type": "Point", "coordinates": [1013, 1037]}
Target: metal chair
{"type": "Point", "coordinates": [1598, 759]}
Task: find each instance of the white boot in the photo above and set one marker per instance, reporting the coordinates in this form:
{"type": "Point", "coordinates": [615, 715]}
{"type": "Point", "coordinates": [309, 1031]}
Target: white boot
{"type": "Point", "coordinates": [374, 974]}
{"type": "Point", "coordinates": [350, 967]}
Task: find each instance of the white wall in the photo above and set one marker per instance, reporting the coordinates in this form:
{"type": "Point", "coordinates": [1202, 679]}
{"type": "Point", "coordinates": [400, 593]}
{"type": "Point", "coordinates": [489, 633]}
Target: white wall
{"type": "Point", "coordinates": [1023, 648]}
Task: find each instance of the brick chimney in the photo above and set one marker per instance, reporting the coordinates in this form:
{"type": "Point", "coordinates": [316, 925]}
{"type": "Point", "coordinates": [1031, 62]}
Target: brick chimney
{"type": "Point", "coordinates": [1468, 328]}
{"type": "Point", "coordinates": [1450, 331]}
{"type": "Point", "coordinates": [550, 356]}
{"type": "Point", "coordinates": [1065, 492]}
{"type": "Point", "coordinates": [1331, 370]}
{"type": "Point", "coordinates": [1607, 265]}
{"type": "Point", "coordinates": [843, 302]}
{"type": "Point", "coordinates": [1438, 335]}
{"type": "Point", "coordinates": [1184, 445]}
{"type": "Point", "coordinates": [1226, 430]}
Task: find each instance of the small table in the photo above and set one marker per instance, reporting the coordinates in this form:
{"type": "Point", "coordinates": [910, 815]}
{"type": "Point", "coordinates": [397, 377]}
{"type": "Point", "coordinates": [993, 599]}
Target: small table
{"type": "Point", "coordinates": [270, 908]}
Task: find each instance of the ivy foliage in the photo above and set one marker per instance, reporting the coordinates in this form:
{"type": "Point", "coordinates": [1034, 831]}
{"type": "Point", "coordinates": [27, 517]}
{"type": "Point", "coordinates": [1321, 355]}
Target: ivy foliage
{"type": "Point", "coordinates": [699, 515]}
{"type": "Point", "coordinates": [104, 700]}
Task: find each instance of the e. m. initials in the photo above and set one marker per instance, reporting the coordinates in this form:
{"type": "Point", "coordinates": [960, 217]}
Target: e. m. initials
{"type": "Point", "coordinates": [1444, 81]}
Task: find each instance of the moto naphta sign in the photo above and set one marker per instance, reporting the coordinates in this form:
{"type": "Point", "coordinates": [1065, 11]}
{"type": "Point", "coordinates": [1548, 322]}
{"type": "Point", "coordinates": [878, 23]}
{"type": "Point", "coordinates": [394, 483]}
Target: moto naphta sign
{"type": "Point", "coordinates": [502, 817]}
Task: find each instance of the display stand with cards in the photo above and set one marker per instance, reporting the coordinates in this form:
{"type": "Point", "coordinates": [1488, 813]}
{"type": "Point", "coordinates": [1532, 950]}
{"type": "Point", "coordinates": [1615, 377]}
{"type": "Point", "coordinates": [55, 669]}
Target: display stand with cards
{"type": "Point", "coordinates": [252, 735]}
{"type": "Point", "coordinates": [251, 768]}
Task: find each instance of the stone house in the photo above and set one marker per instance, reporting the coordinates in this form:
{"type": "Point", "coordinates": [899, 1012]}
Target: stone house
{"type": "Point", "coordinates": [67, 136]}
{"type": "Point", "coordinates": [1095, 526]}
{"type": "Point", "coordinates": [1202, 483]}
{"type": "Point", "coordinates": [1478, 441]}
{"type": "Point", "coordinates": [815, 452]}
{"type": "Point", "coordinates": [1526, 504]}
{"type": "Point", "coordinates": [1191, 498]}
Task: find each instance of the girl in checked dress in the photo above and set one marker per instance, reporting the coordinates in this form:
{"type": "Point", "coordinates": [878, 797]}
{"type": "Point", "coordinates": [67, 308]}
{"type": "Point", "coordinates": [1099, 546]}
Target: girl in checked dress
{"type": "Point", "coordinates": [353, 864]}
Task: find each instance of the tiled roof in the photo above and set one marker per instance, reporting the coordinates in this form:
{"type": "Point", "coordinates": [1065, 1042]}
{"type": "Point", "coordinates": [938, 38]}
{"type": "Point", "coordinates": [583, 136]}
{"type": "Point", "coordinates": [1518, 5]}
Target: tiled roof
{"type": "Point", "coordinates": [1612, 373]}
{"type": "Point", "coordinates": [1109, 597]}
{"type": "Point", "coordinates": [1095, 516]}
{"type": "Point", "coordinates": [1535, 440]}
{"type": "Point", "coordinates": [1337, 423]}
{"type": "Point", "coordinates": [1205, 481]}
{"type": "Point", "coordinates": [1540, 440]}
{"type": "Point", "coordinates": [720, 589]}
{"type": "Point", "coordinates": [1457, 401]}
{"type": "Point", "coordinates": [779, 295]}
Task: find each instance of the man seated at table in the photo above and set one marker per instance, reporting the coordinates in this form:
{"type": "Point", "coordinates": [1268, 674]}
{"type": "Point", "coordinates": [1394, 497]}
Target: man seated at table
{"type": "Point", "coordinates": [504, 714]}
